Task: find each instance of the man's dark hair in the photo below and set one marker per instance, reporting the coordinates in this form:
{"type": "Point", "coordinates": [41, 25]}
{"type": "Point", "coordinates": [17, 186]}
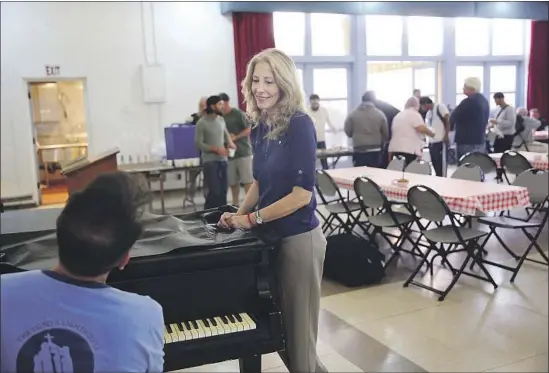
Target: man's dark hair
{"type": "Point", "coordinates": [224, 97]}
{"type": "Point", "coordinates": [100, 224]}
{"type": "Point", "coordinates": [369, 96]}
{"type": "Point", "coordinates": [212, 100]}
{"type": "Point", "coordinates": [314, 96]}
{"type": "Point", "coordinates": [498, 95]}
{"type": "Point", "coordinates": [425, 100]}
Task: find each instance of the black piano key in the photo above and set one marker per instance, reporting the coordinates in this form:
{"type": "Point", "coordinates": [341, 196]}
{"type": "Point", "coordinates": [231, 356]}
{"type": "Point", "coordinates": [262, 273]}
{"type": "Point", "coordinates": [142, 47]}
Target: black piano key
{"type": "Point", "coordinates": [206, 323]}
{"type": "Point", "coordinates": [169, 328]}
{"type": "Point", "coordinates": [194, 324]}
{"type": "Point", "coordinates": [213, 322]}
{"type": "Point", "coordinates": [238, 317]}
{"type": "Point", "coordinates": [179, 327]}
{"type": "Point", "coordinates": [231, 318]}
{"type": "Point", "coordinates": [188, 325]}
{"type": "Point", "coordinates": [225, 320]}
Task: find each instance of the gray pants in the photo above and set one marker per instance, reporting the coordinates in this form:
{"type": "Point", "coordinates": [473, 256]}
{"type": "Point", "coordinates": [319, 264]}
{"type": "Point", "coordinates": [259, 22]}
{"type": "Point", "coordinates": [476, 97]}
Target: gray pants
{"type": "Point", "coordinates": [299, 271]}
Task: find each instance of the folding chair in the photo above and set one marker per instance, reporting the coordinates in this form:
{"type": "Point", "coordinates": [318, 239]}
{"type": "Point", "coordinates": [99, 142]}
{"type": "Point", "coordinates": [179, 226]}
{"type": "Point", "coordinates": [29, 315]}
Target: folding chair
{"type": "Point", "coordinates": [514, 163]}
{"type": "Point", "coordinates": [372, 197]}
{"type": "Point", "coordinates": [397, 163]}
{"type": "Point", "coordinates": [430, 206]}
{"type": "Point", "coordinates": [469, 171]}
{"type": "Point", "coordinates": [537, 182]}
{"type": "Point", "coordinates": [486, 164]}
{"type": "Point", "coordinates": [419, 167]}
{"type": "Point", "coordinates": [336, 206]}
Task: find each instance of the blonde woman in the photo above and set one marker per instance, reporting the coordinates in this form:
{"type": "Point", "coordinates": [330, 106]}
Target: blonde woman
{"type": "Point", "coordinates": [282, 197]}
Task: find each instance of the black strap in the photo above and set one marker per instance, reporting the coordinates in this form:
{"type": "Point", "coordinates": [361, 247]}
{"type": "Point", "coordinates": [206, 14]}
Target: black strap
{"type": "Point", "coordinates": [501, 111]}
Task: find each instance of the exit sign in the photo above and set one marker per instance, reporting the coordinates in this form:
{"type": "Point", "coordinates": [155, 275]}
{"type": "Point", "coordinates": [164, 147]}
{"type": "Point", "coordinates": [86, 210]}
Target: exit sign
{"type": "Point", "coordinates": [52, 70]}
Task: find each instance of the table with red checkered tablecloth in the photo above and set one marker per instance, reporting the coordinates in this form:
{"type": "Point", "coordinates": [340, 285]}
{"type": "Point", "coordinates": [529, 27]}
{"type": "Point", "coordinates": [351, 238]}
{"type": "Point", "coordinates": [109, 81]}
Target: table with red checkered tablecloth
{"type": "Point", "coordinates": [537, 160]}
{"type": "Point", "coordinates": [462, 196]}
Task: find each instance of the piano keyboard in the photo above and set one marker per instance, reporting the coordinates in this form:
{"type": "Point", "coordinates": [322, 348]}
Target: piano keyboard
{"type": "Point", "coordinates": [208, 327]}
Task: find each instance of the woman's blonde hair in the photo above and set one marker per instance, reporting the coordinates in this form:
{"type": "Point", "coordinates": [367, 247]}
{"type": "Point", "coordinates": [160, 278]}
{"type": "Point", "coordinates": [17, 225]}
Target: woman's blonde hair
{"type": "Point", "coordinates": [290, 98]}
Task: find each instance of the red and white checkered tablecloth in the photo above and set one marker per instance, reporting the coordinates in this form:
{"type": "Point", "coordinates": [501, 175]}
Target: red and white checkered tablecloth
{"type": "Point", "coordinates": [537, 160]}
{"type": "Point", "coordinates": [461, 196]}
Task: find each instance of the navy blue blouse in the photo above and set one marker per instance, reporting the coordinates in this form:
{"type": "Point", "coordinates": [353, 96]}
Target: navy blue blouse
{"type": "Point", "coordinates": [280, 165]}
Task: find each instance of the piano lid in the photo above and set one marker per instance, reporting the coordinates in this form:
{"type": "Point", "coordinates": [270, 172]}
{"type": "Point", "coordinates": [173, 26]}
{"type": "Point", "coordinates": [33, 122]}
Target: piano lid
{"type": "Point", "coordinates": [161, 234]}
{"type": "Point", "coordinates": [83, 161]}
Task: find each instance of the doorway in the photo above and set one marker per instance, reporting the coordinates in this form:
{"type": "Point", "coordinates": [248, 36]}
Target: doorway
{"type": "Point", "coordinates": [58, 112]}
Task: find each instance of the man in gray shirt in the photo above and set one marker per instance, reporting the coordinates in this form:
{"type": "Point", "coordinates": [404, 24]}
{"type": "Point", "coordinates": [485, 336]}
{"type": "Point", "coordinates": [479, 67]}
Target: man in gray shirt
{"type": "Point", "coordinates": [368, 128]}
{"type": "Point", "coordinates": [213, 140]}
{"type": "Point", "coordinates": [524, 141]}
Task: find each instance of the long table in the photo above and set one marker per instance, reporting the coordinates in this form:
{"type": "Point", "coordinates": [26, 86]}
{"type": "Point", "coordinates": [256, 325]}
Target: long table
{"type": "Point", "coordinates": [537, 160]}
{"type": "Point", "coordinates": [462, 196]}
{"type": "Point", "coordinates": [156, 171]}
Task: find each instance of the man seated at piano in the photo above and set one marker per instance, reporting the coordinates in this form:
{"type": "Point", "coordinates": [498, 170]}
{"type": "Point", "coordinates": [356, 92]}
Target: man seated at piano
{"type": "Point", "coordinates": [67, 319]}
{"type": "Point", "coordinates": [282, 197]}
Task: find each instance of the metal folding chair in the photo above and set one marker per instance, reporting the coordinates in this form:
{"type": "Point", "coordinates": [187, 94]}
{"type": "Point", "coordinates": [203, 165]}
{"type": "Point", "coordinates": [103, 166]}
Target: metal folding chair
{"type": "Point", "coordinates": [486, 164]}
{"type": "Point", "coordinates": [419, 167]}
{"type": "Point", "coordinates": [430, 206]}
{"type": "Point", "coordinates": [469, 171]}
{"type": "Point", "coordinates": [372, 197]}
{"type": "Point", "coordinates": [537, 182]}
{"type": "Point", "coordinates": [336, 206]}
{"type": "Point", "coordinates": [514, 163]}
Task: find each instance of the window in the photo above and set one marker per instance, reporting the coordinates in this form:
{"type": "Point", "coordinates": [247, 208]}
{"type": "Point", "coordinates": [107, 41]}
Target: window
{"type": "Point", "coordinates": [503, 78]}
{"type": "Point", "coordinates": [425, 80]}
{"type": "Point", "coordinates": [384, 35]}
{"type": "Point", "coordinates": [300, 79]}
{"type": "Point", "coordinates": [330, 83]}
{"type": "Point", "coordinates": [330, 34]}
{"type": "Point", "coordinates": [425, 36]}
{"type": "Point", "coordinates": [391, 81]}
{"type": "Point", "coordinates": [508, 37]}
{"type": "Point", "coordinates": [472, 37]}
{"type": "Point", "coordinates": [464, 72]}
{"type": "Point", "coordinates": [289, 32]}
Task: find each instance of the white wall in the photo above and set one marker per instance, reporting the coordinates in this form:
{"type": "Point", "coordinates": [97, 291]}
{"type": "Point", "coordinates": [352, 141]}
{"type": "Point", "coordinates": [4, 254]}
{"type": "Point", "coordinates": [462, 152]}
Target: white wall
{"type": "Point", "coordinates": [107, 43]}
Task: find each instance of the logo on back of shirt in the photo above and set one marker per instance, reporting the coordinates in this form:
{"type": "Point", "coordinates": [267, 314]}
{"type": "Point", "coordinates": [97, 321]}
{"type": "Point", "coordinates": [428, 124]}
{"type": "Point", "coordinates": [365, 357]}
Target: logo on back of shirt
{"type": "Point", "coordinates": [56, 351]}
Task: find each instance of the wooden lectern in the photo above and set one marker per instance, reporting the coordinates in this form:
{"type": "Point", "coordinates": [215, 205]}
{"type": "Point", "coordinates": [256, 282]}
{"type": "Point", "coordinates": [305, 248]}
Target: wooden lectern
{"type": "Point", "coordinates": [82, 171]}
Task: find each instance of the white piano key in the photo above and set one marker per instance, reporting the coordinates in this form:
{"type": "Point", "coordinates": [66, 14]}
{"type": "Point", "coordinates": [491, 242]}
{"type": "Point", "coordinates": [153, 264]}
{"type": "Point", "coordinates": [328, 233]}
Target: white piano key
{"type": "Point", "coordinates": [167, 336]}
{"type": "Point", "coordinates": [187, 332]}
{"type": "Point", "coordinates": [249, 320]}
{"type": "Point", "coordinates": [173, 333]}
{"type": "Point", "coordinates": [199, 330]}
{"type": "Point", "coordinates": [207, 330]}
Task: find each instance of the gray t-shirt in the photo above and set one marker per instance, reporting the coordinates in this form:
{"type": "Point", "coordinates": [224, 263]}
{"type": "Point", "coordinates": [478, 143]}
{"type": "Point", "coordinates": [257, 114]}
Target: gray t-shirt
{"type": "Point", "coordinates": [211, 132]}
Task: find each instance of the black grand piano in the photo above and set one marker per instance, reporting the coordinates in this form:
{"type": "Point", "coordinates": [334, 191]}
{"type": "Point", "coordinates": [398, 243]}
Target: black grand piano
{"type": "Point", "coordinates": [216, 286]}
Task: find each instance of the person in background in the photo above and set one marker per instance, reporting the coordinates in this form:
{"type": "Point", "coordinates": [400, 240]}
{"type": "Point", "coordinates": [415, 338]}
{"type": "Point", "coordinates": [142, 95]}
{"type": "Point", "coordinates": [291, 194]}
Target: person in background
{"type": "Point", "coordinates": [240, 165]}
{"type": "Point", "coordinates": [504, 122]}
{"type": "Point", "coordinates": [193, 119]}
{"type": "Point", "coordinates": [534, 113]}
{"type": "Point", "coordinates": [69, 310]}
{"type": "Point", "coordinates": [368, 128]}
{"type": "Point", "coordinates": [469, 119]}
{"type": "Point", "coordinates": [213, 140]}
{"type": "Point", "coordinates": [524, 141]}
{"type": "Point", "coordinates": [438, 120]}
{"type": "Point", "coordinates": [390, 112]}
{"type": "Point", "coordinates": [282, 198]}
{"type": "Point", "coordinates": [408, 131]}
{"type": "Point", "coordinates": [321, 118]}
{"type": "Point", "coordinates": [417, 94]}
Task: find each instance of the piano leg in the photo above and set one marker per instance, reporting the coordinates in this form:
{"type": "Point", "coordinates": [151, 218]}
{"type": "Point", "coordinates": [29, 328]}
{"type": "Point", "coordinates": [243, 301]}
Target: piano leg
{"type": "Point", "coordinates": [250, 364]}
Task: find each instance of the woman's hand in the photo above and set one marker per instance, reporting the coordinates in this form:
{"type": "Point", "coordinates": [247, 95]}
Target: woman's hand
{"type": "Point", "coordinates": [225, 219]}
{"type": "Point", "coordinates": [240, 222]}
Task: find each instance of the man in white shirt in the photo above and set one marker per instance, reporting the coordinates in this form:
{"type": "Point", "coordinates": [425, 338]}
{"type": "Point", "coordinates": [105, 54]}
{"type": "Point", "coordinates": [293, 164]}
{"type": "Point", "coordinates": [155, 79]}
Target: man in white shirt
{"type": "Point", "coordinates": [321, 118]}
{"type": "Point", "coordinates": [438, 119]}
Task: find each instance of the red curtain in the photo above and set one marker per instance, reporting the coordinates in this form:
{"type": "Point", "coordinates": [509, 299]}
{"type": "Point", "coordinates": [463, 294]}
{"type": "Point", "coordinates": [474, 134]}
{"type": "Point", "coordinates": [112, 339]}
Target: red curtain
{"type": "Point", "coordinates": [538, 68]}
{"type": "Point", "coordinates": [253, 32]}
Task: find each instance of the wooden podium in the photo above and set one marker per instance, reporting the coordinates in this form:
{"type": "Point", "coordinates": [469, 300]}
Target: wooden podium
{"type": "Point", "coordinates": [82, 171]}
